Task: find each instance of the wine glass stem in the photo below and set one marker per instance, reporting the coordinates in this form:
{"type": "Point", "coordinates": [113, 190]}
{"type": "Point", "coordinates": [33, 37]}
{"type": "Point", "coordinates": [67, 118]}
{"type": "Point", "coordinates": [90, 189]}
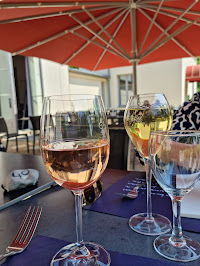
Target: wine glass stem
{"type": "Point", "coordinates": [177, 237]}
{"type": "Point", "coordinates": [78, 206]}
{"type": "Point", "coordinates": [148, 180]}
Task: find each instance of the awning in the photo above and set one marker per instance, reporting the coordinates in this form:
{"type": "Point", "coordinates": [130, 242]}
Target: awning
{"type": "Point", "coordinates": [193, 73]}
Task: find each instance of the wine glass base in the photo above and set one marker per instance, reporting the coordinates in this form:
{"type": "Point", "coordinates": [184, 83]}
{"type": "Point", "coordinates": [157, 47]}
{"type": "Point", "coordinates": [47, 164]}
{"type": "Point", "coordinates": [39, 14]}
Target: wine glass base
{"type": "Point", "coordinates": [156, 226]}
{"type": "Point", "coordinates": [70, 255]}
{"type": "Point", "coordinates": [187, 252]}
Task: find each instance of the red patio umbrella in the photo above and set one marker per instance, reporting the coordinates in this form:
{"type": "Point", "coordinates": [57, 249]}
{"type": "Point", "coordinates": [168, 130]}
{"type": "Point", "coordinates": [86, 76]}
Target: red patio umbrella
{"type": "Point", "coordinates": [101, 34]}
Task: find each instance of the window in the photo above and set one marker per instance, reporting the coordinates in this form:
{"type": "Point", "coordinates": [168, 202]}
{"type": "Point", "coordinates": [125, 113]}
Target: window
{"type": "Point", "coordinates": [125, 88]}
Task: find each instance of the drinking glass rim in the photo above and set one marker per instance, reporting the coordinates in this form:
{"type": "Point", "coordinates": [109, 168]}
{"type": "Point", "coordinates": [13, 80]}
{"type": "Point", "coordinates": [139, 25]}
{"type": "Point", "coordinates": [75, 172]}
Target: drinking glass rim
{"type": "Point", "coordinates": [147, 94]}
{"type": "Point", "coordinates": [79, 97]}
{"type": "Point", "coordinates": [171, 133]}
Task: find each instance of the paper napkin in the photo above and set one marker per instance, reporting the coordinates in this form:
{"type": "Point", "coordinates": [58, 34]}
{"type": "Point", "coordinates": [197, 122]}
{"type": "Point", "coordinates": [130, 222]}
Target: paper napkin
{"type": "Point", "coordinates": [20, 178]}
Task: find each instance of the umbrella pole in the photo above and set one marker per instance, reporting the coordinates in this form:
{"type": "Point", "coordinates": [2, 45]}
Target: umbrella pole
{"type": "Point", "coordinates": [134, 46]}
{"type": "Point", "coordinates": [134, 82]}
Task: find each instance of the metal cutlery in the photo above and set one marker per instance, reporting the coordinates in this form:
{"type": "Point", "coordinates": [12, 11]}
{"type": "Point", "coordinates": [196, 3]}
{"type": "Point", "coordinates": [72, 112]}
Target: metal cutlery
{"type": "Point", "coordinates": [133, 193]}
{"type": "Point", "coordinates": [25, 232]}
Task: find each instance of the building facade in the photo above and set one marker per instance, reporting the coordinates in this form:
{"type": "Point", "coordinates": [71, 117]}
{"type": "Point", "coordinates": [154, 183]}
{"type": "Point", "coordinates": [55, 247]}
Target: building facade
{"type": "Point", "coordinates": [26, 80]}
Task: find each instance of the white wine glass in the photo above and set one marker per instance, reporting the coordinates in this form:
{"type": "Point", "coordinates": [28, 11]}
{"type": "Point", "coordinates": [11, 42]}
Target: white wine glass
{"type": "Point", "coordinates": [145, 113]}
{"type": "Point", "coordinates": [75, 150]}
{"type": "Point", "coordinates": [176, 167]}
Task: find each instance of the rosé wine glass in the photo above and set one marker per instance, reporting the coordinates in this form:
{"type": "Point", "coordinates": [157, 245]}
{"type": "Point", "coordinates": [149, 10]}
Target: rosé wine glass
{"type": "Point", "coordinates": [75, 149]}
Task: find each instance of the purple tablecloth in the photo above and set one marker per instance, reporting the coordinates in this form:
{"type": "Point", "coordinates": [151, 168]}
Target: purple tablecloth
{"type": "Point", "coordinates": [112, 203]}
{"type": "Point", "coordinates": [41, 250]}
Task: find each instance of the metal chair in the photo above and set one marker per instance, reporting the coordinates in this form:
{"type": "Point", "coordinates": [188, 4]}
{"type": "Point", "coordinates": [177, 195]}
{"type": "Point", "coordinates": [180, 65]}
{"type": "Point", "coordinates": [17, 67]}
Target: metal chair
{"type": "Point", "coordinates": [35, 120]}
{"type": "Point", "coordinates": [5, 134]}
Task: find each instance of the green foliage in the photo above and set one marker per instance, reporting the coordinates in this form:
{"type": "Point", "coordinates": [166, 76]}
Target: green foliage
{"type": "Point", "coordinates": [74, 67]}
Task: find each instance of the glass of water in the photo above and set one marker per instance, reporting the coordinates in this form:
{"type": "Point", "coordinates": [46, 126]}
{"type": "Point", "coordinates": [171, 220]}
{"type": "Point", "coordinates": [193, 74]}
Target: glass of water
{"type": "Point", "coordinates": [176, 167]}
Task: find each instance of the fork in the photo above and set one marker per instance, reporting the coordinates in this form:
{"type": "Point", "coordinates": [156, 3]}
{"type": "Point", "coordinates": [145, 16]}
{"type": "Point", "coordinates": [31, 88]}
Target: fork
{"type": "Point", "coordinates": [25, 232]}
{"type": "Point", "coordinates": [133, 193]}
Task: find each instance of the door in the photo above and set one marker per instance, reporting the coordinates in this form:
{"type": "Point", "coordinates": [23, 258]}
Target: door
{"type": "Point", "coordinates": [8, 108]}
{"type": "Point", "coordinates": [34, 86]}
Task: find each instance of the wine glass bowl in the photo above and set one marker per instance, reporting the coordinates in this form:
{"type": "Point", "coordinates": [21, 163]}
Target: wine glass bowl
{"type": "Point", "coordinates": [76, 164]}
{"type": "Point", "coordinates": [145, 113]}
{"type": "Point", "coordinates": [75, 150]}
{"type": "Point", "coordinates": [176, 167]}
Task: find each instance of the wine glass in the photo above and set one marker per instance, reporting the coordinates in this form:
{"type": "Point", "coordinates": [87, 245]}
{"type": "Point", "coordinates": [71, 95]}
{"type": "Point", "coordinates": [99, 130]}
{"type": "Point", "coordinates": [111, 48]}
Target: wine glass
{"type": "Point", "coordinates": [75, 150]}
{"type": "Point", "coordinates": [176, 166]}
{"type": "Point", "coordinates": [145, 113]}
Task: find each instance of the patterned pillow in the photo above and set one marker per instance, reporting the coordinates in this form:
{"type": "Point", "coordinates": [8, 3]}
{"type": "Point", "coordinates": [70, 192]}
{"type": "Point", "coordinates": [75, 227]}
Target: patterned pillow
{"type": "Point", "coordinates": [188, 116]}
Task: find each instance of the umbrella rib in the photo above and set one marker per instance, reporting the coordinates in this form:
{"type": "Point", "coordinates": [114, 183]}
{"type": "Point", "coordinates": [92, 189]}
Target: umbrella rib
{"type": "Point", "coordinates": [47, 15]}
{"type": "Point", "coordinates": [191, 12]}
{"type": "Point", "coordinates": [61, 33]}
{"type": "Point", "coordinates": [61, 4]}
{"type": "Point", "coordinates": [95, 34]}
{"type": "Point", "coordinates": [153, 1]}
{"type": "Point", "coordinates": [173, 15]}
{"type": "Point", "coordinates": [182, 28]}
{"type": "Point", "coordinates": [100, 45]}
{"type": "Point", "coordinates": [162, 29]}
{"type": "Point", "coordinates": [88, 42]}
{"type": "Point", "coordinates": [105, 31]}
{"type": "Point", "coordinates": [150, 26]}
{"type": "Point", "coordinates": [169, 27]}
{"type": "Point", "coordinates": [114, 34]}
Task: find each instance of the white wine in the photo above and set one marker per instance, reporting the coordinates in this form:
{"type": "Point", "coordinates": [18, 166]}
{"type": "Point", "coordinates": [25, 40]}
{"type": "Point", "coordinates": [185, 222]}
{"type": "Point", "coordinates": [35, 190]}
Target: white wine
{"type": "Point", "coordinates": [76, 164]}
{"type": "Point", "coordinates": [140, 122]}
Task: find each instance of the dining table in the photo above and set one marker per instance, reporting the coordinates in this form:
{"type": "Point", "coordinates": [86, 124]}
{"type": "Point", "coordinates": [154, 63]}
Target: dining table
{"type": "Point", "coordinates": [58, 222]}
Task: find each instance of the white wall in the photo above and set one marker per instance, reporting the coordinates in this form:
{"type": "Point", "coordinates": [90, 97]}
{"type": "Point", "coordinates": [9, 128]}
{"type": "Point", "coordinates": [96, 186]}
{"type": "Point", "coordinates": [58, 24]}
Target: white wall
{"type": "Point", "coordinates": [162, 77]}
{"type": "Point", "coordinates": [88, 84]}
{"type": "Point", "coordinates": [55, 78]}
{"type": "Point", "coordinates": [166, 77]}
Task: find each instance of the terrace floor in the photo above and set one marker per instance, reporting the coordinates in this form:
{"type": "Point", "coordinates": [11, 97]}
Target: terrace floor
{"type": "Point", "coordinates": [22, 147]}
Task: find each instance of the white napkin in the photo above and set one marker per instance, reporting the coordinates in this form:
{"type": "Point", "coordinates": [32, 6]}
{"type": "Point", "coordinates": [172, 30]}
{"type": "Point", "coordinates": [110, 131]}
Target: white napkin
{"type": "Point", "coordinates": [190, 206]}
{"type": "Point", "coordinates": [20, 179]}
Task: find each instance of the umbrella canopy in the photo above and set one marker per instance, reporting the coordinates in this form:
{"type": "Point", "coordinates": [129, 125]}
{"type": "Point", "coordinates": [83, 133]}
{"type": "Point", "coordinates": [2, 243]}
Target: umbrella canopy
{"type": "Point", "coordinates": [101, 34]}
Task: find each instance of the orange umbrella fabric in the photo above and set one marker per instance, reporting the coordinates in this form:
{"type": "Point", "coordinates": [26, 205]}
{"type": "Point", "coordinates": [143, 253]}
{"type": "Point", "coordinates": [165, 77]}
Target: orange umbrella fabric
{"type": "Point", "coordinates": [101, 34]}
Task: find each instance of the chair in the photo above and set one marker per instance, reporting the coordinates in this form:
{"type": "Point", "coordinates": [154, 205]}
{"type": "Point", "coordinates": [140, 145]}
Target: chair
{"type": "Point", "coordinates": [35, 120]}
{"type": "Point", "coordinates": [5, 134]}
{"type": "Point", "coordinates": [118, 148]}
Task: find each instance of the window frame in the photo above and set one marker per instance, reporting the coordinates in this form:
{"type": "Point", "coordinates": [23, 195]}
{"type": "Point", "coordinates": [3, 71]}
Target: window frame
{"type": "Point", "coordinates": [126, 87]}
